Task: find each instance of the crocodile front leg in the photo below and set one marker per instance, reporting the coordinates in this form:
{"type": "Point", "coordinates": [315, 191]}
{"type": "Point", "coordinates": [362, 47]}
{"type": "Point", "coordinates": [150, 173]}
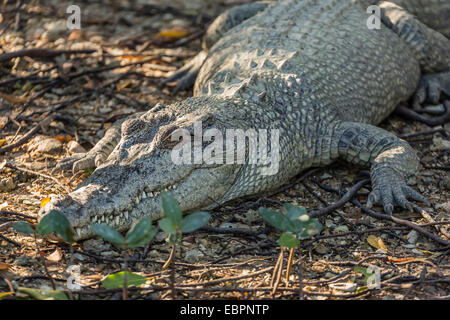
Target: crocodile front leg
{"type": "Point", "coordinates": [392, 161]}
{"type": "Point", "coordinates": [187, 75]}
{"type": "Point", "coordinates": [99, 153]}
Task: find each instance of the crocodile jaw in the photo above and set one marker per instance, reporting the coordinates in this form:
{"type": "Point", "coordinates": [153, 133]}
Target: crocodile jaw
{"type": "Point", "coordinates": [127, 186]}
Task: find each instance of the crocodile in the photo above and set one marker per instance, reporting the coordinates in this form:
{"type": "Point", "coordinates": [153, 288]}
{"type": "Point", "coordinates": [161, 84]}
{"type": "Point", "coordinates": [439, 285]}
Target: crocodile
{"type": "Point", "coordinates": [310, 72]}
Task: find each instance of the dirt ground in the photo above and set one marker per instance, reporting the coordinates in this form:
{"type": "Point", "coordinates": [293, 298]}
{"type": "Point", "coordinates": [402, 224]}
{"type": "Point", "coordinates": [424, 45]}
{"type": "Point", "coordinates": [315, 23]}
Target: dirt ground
{"type": "Point", "coordinates": [51, 107]}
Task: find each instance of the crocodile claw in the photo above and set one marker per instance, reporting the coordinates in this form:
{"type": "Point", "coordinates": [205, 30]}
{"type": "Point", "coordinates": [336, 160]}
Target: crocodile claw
{"type": "Point", "coordinates": [77, 162]}
{"type": "Point", "coordinates": [390, 191]}
{"type": "Point", "coordinates": [431, 87]}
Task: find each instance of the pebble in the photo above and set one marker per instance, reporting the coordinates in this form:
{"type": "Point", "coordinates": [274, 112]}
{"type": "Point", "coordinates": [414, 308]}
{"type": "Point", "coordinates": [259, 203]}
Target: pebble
{"type": "Point", "coordinates": [96, 245]}
{"type": "Point", "coordinates": [54, 30]}
{"type": "Point", "coordinates": [412, 237]}
{"type": "Point", "coordinates": [440, 144]}
{"type": "Point", "coordinates": [7, 184]}
{"type": "Point", "coordinates": [341, 229]}
{"type": "Point", "coordinates": [75, 147]}
{"type": "Point", "coordinates": [346, 287]}
{"type": "Point", "coordinates": [445, 206]}
{"type": "Point", "coordinates": [446, 183]}
{"type": "Point", "coordinates": [22, 260]}
{"type": "Point", "coordinates": [193, 255]}
{"type": "Point", "coordinates": [78, 257]}
{"type": "Point", "coordinates": [44, 144]}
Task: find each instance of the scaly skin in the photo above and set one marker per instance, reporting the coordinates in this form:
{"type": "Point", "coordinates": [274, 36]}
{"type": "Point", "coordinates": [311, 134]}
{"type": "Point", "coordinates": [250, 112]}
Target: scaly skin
{"type": "Point", "coordinates": [310, 69]}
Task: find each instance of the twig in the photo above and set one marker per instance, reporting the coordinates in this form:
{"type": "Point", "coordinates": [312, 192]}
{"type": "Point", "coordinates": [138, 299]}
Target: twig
{"type": "Point", "coordinates": [39, 53]}
{"type": "Point", "coordinates": [28, 135]}
{"type": "Point", "coordinates": [10, 241]}
{"type": "Point", "coordinates": [6, 212]}
{"type": "Point", "coordinates": [345, 198]}
{"type": "Point", "coordinates": [38, 174]}
{"type": "Point", "coordinates": [382, 216]}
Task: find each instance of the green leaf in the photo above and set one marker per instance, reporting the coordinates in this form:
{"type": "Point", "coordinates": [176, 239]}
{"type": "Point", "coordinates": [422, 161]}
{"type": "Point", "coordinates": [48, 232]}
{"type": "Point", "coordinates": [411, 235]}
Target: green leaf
{"type": "Point", "coordinates": [293, 212]}
{"type": "Point", "coordinates": [23, 227]}
{"type": "Point", "coordinates": [56, 221]}
{"type": "Point", "coordinates": [194, 221]}
{"type": "Point", "coordinates": [174, 238]}
{"type": "Point", "coordinates": [145, 240]}
{"type": "Point", "coordinates": [362, 270]}
{"type": "Point", "coordinates": [115, 280]}
{"type": "Point", "coordinates": [171, 208]}
{"type": "Point", "coordinates": [40, 294]}
{"type": "Point", "coordinates": [310, 228]}
{"type": "Point", "coordinates": [288, 240]}
{"type": "Point", "coordinates": [167, 225]}
{"type": "Point", "coordinates": [139, 232]}
{"type": "Point", "coordinates": [276, 219]}
{"type": "Point", "coordinates": [108, 234]}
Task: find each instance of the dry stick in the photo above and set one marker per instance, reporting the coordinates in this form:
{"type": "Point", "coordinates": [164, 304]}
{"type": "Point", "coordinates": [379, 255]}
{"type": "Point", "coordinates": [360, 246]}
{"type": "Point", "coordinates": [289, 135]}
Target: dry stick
{"type": "Point", "coordinates": [345, 198]}
{"type": "Point", "coordinates": [382, 216]}
{"type": "Point", "coordinates": [125, 284]}
{"type": "Point", "coordinates": [9, 240]}
{"type": "Point", "coordinates": [289, 264]}
{"type": "Point", "coordinates": [28, 135]}
{"type": "Point", "coordinates": [6, 212]}
{"type": "Point", "coordinates": [427, 217]}
{"type": "Point", "coordinates": [300, 278]}
{"type": "Point", "coordinates": [213, 282]}
{"type": "Point", "coordinates": [217, 289]}
{"type": "Point", "coordinates": [38, 174]}
{"type": "Point", "coordinates": [277, 272]}
{"type": "Point", "coordinates": [39, 53]}
{"type": "Point", "coordinates": [44, 263]}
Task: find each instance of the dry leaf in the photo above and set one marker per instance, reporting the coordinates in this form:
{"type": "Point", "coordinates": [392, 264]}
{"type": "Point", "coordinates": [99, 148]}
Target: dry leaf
{"type": "Point", "coordinates": [129, 57]}
{"type": "Point", "coordinates": [63, 139]}
{"type": "Point", "coordinates": [377, 243]}
{"type": "Point", "coordinates": [398, 260]}
{"type": "Point", "coordinates": [45, 201]}
{"type": "Point", "coordinates": [2, 141]}
{"type": "Point", "coordinates": [123, 85]}
{"type": "Point", "coordinates": [12, 98]}
{"type": "Point", "coordinates": [55, 256]}
{"type": "Point", "coordinates": [174, 33]}
{"type": "Point", "coordinates": [4, 266]}
{"type": "Point", "coordinates": [5, 294]}
{"type": "Point", "coordinates": [75, 35]}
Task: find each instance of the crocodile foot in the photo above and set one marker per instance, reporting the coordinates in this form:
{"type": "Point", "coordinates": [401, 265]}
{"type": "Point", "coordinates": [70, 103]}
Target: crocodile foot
{"type": "Point", "coordinates": [390, 189]}
{"type": "Point", "coordinates": [186, 75]}
{"type": "Point", "coordinates": [79, 161]}
{"type": "Point", "coordinates": [431, 88]}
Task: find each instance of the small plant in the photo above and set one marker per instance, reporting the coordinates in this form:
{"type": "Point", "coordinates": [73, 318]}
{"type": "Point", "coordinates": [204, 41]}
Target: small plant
{"type": "Point", "coordinates": [140, 235]}
{"type": "Point", "coordinates": [55, 222]}
{"type": "Point", "coordinates": [297, 225]}
{"type": "Point", "coordinates": [174, 224]}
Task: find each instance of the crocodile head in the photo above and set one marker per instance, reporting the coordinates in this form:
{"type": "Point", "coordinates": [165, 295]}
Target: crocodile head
{"type": "Point", "coordinates": [127, 186]}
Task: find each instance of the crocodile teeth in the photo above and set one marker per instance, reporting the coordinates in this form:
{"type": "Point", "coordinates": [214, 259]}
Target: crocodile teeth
{"type": "Point", "coordinates": [143, 195]}
{"type": "Point", "coordinates": [137, 200]}
{"type": "Point", "coordinates": [117, 220]}
{"type": "Point", "coordinates": [150, 194]}
{"type": "Point", "coordinates": [126, 215]}
{"type": "Point", "coordinates": [78, 231]}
